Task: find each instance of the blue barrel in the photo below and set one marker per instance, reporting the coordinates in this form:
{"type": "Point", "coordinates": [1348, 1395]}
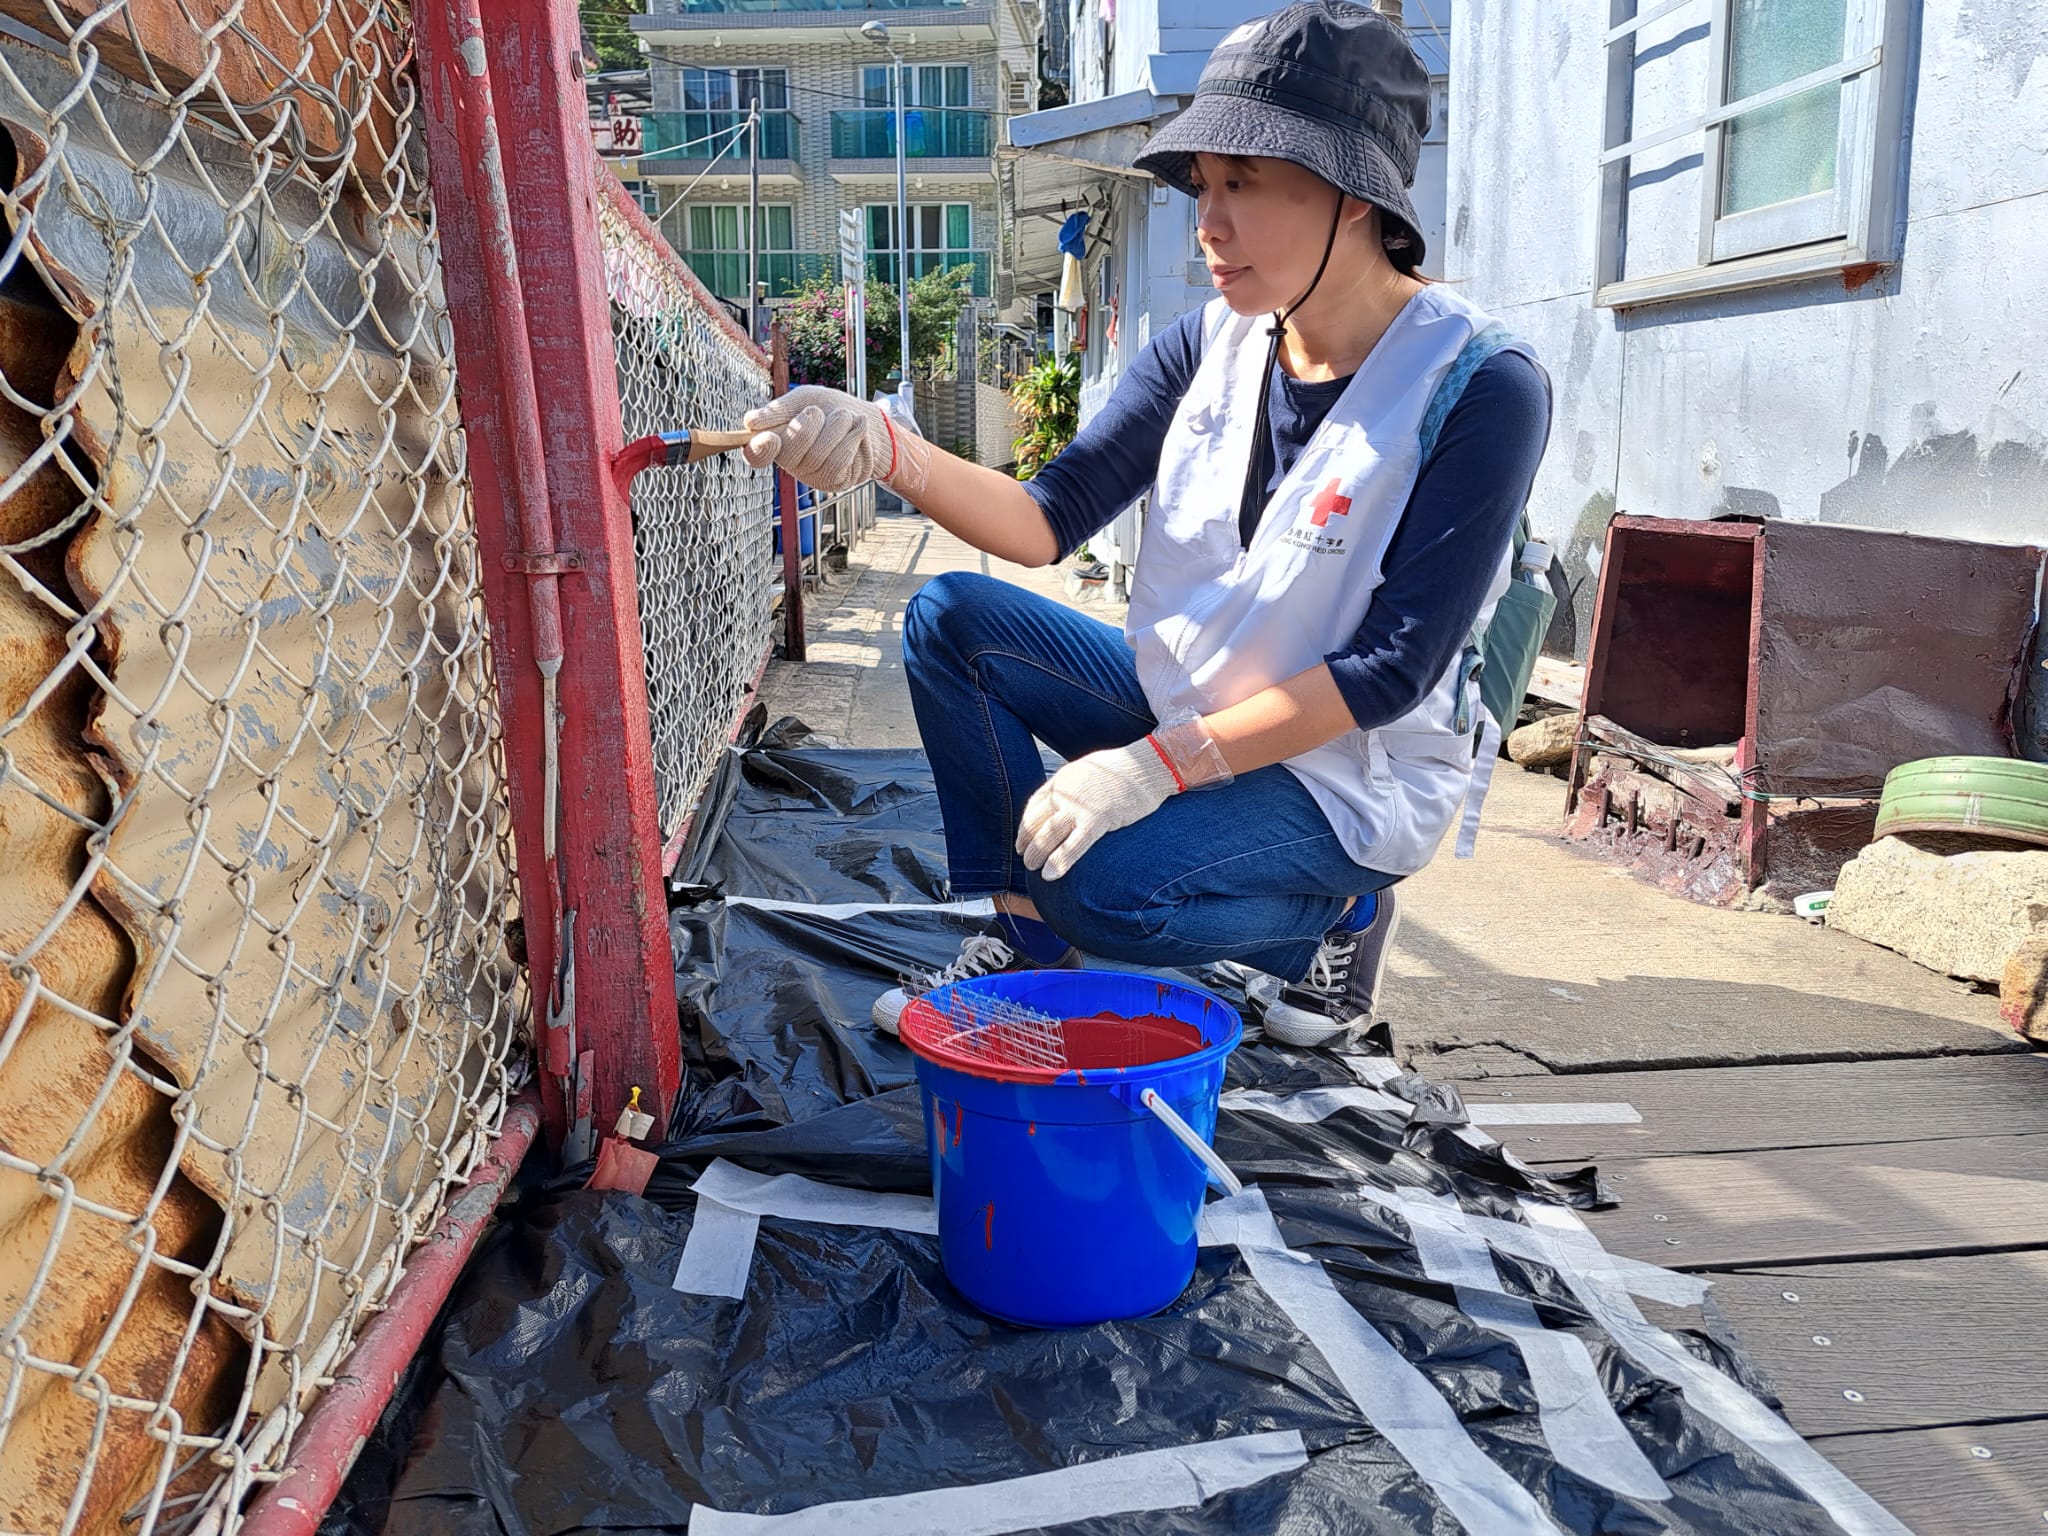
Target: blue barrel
{"type": "Point", "coordinates": [1067, 1203]}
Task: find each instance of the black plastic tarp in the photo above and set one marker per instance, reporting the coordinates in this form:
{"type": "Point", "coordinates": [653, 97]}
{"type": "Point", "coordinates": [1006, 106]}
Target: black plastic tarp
{"type": "Point", "coordinates": [569, 1388]}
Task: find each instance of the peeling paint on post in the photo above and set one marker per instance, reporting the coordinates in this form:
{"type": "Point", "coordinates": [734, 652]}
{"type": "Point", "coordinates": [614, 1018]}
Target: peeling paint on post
{"type": "Point", "coordinates": [611, 846]}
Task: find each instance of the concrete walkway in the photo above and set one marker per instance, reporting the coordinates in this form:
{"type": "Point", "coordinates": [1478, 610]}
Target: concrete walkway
{"type": "Point", "coordinates": [1533, 957]}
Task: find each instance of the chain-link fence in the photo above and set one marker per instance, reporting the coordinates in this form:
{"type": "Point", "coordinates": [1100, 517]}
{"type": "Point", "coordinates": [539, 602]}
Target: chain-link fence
{"type": "Point", "coordinates": [255, 1009]}
{"type": "Point", "coordinates": [704, 533]}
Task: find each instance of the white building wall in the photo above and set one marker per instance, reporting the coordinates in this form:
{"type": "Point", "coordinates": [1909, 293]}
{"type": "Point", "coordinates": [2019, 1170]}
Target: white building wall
{"type": "Point", "coordinates": [1907, 399]}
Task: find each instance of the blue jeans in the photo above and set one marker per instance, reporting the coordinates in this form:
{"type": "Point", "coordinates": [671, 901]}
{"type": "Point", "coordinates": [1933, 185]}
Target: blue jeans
{"type": "Point", "coordinates": [1249, 871]}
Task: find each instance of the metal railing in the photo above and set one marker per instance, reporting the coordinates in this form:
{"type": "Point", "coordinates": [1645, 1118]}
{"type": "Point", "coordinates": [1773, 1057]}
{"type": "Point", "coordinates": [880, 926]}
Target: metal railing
{"type": "Point", "coordinates": [956, 133]}
{"type": "Point", "coordinates": [883, 265]}
{"type": "Point", "coordinates": [694, 136]}
{"type": "Point", "coordinates": [756, 7]}
{"type": "Point", "coordinates": [725, 272]}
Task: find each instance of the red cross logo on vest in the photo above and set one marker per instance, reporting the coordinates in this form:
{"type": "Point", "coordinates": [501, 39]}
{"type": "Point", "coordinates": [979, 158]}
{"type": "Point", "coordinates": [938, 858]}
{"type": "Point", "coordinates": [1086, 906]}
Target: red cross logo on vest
{"type": "Point", "coordinates": [1328, 504]}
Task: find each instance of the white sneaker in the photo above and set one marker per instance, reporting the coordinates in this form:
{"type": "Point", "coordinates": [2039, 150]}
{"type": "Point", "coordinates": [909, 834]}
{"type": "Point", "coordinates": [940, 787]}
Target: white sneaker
{"type": "Point", "coordinates": [1343, 979]}
{"type": "Point", "coordinates": [982, 954]}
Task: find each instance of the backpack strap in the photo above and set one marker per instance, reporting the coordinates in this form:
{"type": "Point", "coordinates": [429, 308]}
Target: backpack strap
{"type": "Point", "coordinates": [1450, 389]}
{"type": "Point", "coordinates": [1443, 400]}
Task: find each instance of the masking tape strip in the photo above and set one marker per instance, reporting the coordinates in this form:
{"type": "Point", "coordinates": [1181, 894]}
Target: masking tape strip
{"type": "Point", "coordinates": [1584, 1432]}
{"type": "Point", "coordinates": [795, 1198]}
{"type": "Point", "coordinates": [981, 906]}
{"type": "Point", "coordinates": [1313, 1104]}
{"type": "Point", "coordinates": [718, 1252]}
{"type": "Point", "coordinates": [1517, 1241]}
{"type": "Point", "coordinates": [1395, 1397]}
{"type": "Point", "coordinates": [1178, 1478]}
{"type": "Point", "coordinates": [1706, 1389]}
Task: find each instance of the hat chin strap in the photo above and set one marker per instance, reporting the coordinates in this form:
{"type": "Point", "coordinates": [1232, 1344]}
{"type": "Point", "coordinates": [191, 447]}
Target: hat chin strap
{"type": "Point", "coordinates": [1251, 502]}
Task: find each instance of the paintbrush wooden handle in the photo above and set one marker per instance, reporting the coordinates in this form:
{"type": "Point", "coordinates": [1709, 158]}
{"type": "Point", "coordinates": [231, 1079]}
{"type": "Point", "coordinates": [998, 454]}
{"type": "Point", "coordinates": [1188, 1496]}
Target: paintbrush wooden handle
{"type": "Point", "coordinates": [704, 443]}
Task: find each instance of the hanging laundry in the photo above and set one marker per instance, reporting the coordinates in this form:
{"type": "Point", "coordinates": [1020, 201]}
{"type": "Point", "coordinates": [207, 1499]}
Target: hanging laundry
{"type": "Point", "coordinates": [1073, 245]}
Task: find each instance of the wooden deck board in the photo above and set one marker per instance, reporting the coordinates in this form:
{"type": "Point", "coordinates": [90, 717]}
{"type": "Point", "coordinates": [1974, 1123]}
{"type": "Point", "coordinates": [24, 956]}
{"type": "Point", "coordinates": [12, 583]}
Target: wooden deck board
{"type": "Point", "coordinates": [1727, 1109]}
{"type": "Point", "coordinates": [1815, 1204]}
{"type": "Point", "coordinates": [1923, 1342]}
{"type": "Point", "coordinates": [1931, 1480]}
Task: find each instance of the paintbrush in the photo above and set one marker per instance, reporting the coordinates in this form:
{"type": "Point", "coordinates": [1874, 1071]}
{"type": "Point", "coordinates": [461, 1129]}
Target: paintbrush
{"type": "Point", "coordinates": [685, 445]}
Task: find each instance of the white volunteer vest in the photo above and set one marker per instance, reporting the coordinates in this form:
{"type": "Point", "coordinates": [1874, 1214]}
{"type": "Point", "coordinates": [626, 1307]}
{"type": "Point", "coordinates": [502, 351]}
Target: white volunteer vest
{"type": "Point", "coordinates": [1212, 624]}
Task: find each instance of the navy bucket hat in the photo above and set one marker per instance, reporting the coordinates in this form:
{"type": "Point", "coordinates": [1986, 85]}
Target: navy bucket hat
{"type": "Point", "coordinates": [1331, 86]}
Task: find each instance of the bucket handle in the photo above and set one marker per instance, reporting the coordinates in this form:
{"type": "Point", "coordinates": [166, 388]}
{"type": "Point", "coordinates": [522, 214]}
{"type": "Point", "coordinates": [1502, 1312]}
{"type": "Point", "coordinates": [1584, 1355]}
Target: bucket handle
{"type": "Point", "coordinates": [1219, 1171]}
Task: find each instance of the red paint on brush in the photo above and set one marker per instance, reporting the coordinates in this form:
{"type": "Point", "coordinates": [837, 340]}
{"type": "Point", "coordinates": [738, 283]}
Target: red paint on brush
{"type": "Point", "coordinates": [988, 1227]}
{"type": "Point", "coordinates": [959, 1119]}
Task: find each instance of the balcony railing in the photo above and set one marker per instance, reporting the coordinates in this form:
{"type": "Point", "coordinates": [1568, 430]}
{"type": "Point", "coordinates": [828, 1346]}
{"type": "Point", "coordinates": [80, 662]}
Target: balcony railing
{"type": "Point", "coordinates": [754, 7]}
{"type": "Point", "coordinates": [929, 133]}
{"type": "Point", "coordinates": [701, 135]}
{"type": "Point", "coordinates": [725, 272]}
{"type": "Point", "coordinates": [883, 265]}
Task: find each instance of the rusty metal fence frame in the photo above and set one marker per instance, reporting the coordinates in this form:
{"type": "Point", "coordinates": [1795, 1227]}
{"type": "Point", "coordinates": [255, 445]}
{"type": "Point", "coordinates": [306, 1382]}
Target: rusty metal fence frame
{"type": "Point", "coordinates": [257, 1013]}
{"type": "Point", "coordinates": [323, 705]}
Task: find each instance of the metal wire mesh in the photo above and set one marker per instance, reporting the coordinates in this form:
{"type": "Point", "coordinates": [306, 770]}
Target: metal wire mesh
{"type": "Point", "coordinates": [967, 1026]}
{"type": "Point", "coordinates": [255, 1008]}
{"type": "Point", "coordinates": [704, 534]}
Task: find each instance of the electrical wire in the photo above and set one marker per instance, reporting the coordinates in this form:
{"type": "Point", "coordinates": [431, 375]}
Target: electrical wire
{"type": "Point", "coordinates": [670, 149]}
{"type": "Point", "coordinates": [1430, 22]}
{"type": "Point", "coordinates": [736, 134]}
{"type": "Point", "coordinates": [1739, 782]}
{"type": "Point", "coordinates": [824, 95]}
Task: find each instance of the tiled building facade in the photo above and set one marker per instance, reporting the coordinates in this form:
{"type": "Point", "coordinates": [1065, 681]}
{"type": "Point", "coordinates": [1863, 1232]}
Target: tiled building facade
{"type": "Point", "coordinates": [828, 133]}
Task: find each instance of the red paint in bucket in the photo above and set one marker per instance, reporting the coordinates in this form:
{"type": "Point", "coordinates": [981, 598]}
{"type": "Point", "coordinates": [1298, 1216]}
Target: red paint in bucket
{"type": "Point", "coordinates": [1100, 1043]}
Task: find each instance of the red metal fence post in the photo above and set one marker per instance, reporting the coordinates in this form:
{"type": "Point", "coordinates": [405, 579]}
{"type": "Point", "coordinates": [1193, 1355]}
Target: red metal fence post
{"type": "Point", "coordinates": [611, 843]}
{"type": "Point", "coordinates": [791, 519]}
{"type": "Point", "coordinates": [489, 426]}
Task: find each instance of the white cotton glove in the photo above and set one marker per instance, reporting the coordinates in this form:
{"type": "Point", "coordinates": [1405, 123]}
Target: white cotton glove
{"type": "Point", "coordinates": [829, 440]}
{"type": "Point", "coordinates": [1095, 795]}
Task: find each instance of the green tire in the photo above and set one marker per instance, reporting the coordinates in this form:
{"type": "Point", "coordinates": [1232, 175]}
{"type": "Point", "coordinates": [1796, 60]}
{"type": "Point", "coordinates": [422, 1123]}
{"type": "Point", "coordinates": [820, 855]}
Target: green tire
{"type": "Point", "coordinates": [1998, 797]}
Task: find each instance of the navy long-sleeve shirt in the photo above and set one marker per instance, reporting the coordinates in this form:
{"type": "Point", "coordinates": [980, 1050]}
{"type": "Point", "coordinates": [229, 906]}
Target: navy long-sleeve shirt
{"type": "Point", "coordinates": [1445, 551]}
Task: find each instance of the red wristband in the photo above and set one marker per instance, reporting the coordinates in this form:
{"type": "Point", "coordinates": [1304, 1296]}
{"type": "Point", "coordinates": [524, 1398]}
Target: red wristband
{"type": "Point", "coordinates": [1179, 783]}
{"type": "Point", "coordinates": [890, 428]}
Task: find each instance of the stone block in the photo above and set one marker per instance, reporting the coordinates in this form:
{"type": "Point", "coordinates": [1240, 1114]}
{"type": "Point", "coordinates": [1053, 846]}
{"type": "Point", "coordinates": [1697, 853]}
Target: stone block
{"type": "Point", "coordinates": [1962, 912]}
{"type": "Point", "coordinates": [2023, 993]}
{"type": "Point", "coordinates": [1545, 742]}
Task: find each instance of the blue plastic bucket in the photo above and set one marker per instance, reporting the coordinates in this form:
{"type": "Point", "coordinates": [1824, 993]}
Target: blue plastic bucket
{"type": "Point", "coordinates": [1066, 1203]}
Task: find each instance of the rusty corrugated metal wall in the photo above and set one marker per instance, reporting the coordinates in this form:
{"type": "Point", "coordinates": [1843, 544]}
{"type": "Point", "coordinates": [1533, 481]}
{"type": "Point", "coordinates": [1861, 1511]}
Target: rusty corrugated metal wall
{"type": "Point", "coordinates": [254, 1003]}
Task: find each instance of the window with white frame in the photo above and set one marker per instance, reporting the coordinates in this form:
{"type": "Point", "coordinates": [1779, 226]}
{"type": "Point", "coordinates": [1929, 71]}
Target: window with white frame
{"type": "Point", "coordinates": [715, 246]}
{"type": "Point", "coordinates": [645, 193]}
{"type": "Point", "coordinates": [723, 227]}
{"type": "Point", "coordinates": [1748, 142]}
{"type": "Point", "coordinates": [924, 85]}
{"type": "Point", "coordinates": [735, 89]}
{"type": "Point", "coordinates": [941, 236]}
